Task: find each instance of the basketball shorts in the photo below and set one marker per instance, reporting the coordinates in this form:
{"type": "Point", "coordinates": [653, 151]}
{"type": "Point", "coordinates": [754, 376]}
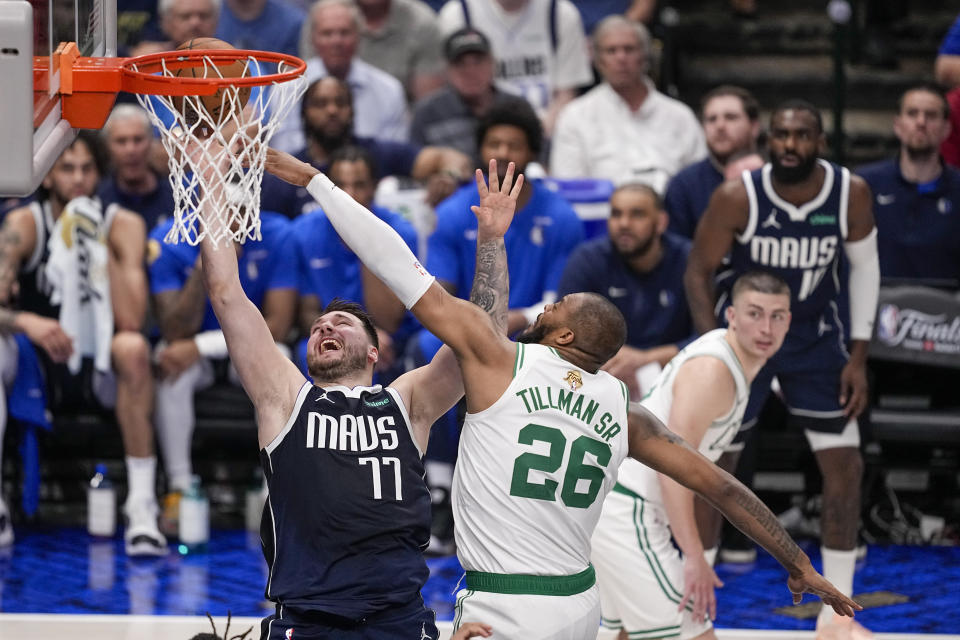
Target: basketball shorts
{"type": "Point", "coordinates": [808, 368]}
{"type": "Point", "coordinates": [531, 617]}
{"type": "Point", "coordinates": [413, 621]}
{"type": "Point", "coordinates": [640, 572]}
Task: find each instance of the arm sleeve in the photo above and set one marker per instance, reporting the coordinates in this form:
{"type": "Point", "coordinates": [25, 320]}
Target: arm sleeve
{"type": "Point", "coordinates": [864, 285]}
{"type": "Point", "coordinates": [375, 243]}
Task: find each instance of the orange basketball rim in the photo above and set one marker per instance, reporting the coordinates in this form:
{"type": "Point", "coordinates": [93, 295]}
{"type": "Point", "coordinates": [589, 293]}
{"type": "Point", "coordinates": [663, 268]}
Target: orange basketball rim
{"type": "Point", "coordinates": [89, 86]}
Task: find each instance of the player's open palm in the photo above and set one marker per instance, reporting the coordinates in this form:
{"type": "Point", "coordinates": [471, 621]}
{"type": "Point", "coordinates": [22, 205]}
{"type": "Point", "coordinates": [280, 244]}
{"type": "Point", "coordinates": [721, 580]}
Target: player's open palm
{"type": "Point", "coordinates": [498, 201]}
{"type": "Point", "coordinates": [699, 581]}
{"type": "Point", "coordinates": [812, 582]}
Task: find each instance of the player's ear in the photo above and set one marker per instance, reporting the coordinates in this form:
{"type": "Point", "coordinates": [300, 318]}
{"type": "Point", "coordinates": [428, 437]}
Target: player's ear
{"type": "Point", "coordinates": [822, 146]}
{"type": "Point", "coordinates": [564, 336]}
{"type": "Point", "coordinates": [663, 221]}
{"type": "Point", "coordinates": [373, 356]}
{"type": "Point", "coordinates": [729, 314]}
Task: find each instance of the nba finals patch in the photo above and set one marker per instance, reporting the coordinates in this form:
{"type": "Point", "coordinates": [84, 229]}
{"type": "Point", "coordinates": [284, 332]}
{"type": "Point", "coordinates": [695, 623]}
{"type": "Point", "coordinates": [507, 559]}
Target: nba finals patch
{"type": "Point", "coordinates": [574, 379]}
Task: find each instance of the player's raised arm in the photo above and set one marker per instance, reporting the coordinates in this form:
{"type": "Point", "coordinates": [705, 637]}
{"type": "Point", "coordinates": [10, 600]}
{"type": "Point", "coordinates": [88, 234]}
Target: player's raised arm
{"type": "Point", "coordinates": [465, 327]}
{"type": "Point", "coordinates": [269, 378]}
{"type": "Point", "coordinates": [434, 388]}
{"type": "Point", "coordinates": [654, 445]}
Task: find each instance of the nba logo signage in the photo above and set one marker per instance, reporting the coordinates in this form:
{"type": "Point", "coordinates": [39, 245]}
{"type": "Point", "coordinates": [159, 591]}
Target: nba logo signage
{"type": "Point", "coordinates": [918, 325]}
{"type": "Point", "coordinates": [887, 321]}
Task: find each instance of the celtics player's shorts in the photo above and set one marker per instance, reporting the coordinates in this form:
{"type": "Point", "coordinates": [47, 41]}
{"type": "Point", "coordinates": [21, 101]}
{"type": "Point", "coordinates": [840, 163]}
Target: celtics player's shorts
{"type": "Point", "coordinates": [639, 571]}
{"type": "Point", "coordinates": [808, 368]}
{"type": "Point", "coordinates": [503, 602]}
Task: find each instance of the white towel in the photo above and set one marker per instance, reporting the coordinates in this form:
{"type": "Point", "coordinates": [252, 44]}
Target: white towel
{"type": "Point", "coordinates": [77, 272]}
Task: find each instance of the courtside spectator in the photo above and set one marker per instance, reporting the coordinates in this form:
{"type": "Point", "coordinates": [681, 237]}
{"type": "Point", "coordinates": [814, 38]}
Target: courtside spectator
{"type": "Point", "coordinates": [402, 37]}
{"type": "Point", "coordinates": [262, 25]}
{"type": "Point", "coordinates": [731, 124]}
{"type": "Point", "coordinates": [625, 130]}
{"type": "Point", "coordinates": [639, 267]}
{"type": "Point", "coordinates": [449, 116]}
{"type": "Point", "coordinates": [916, 197]}
{"type": "Point", "coordinates": [327, 115]}
{"type": "Point", "coordinates": [132, 182]}
{"type": "Point", "coordinates": [539, 46]}
{"type": "Point", "coordinates": [379, 100]}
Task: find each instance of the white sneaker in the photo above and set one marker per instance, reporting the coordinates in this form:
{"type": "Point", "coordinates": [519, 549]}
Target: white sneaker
{"type": "Point", "coordinates": [6, 528]}
{"type": "Point", "coordinates": [143, 537]}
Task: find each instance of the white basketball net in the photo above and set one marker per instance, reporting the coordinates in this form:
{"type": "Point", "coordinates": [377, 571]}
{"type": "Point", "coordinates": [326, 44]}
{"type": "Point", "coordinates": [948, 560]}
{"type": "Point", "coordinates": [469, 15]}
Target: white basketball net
{"type": "Point", "coordinates": [216, 164]}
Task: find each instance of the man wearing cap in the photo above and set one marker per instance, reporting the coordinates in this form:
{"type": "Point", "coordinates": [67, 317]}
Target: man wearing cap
{"type": "Point", "coordinates": [449, 116]}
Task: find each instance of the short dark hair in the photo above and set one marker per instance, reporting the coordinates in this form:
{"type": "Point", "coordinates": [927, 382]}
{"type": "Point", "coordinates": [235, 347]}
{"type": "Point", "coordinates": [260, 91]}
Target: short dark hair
{"type": "Point", "coordinates": [353, 153]}
{"type": "Point", "coordinates": [600, 328]}
{"type": "Point", "coordinates": [313, 85]}
{"type": "Point", "coordinates": [92, 141]}
{"type": "Point", "coordinates": [927, 87]}
{"type": "Point", "coordinates": [750, 105]}
{"type": "Point", "coordinates": [642, 188]}
{"type": "Point", "coordinates": [798, 104]}
{"type": "Point", "coordinates": [356, 310]}
{"type": "Point", "coordinates": [515, 112]}
{"type": "Point", "coordinates": [761, 282]}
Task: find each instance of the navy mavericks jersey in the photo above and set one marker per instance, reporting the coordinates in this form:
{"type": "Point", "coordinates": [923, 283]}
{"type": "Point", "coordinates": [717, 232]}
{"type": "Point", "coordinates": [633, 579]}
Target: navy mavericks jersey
{"type": "Point", "coordinates": [348, 513]}
{"type": "Point", "coordinates": [801, 244]}
{"type": "Point", "coordinates": [35, 290]}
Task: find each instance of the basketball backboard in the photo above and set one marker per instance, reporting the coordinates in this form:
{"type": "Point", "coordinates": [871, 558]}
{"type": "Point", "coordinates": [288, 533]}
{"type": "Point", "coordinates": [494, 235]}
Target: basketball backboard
{"type": "Point", "coordinates": [33, 132]}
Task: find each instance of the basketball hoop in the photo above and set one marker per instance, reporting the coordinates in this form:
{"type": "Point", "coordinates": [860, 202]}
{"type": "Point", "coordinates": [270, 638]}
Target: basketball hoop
{"type": "Point", "coordinates": [217, 108]}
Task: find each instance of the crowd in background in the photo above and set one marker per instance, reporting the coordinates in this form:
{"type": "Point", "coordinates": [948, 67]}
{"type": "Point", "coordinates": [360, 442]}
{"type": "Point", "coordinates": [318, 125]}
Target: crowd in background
{"type": "Point", "coordinates": [423, 94]}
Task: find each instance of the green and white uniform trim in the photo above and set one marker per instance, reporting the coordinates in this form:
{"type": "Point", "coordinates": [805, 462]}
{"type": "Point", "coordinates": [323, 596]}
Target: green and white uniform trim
{"type": "Point", "coordinates": [639, 570]}
{"type": "Point", "coordinates": [535, 466]}
{"type": "Point", "coordinates": [640, 478]}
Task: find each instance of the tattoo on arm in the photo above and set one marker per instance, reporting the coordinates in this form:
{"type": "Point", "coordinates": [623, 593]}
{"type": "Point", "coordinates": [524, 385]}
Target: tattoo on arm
{"type": "Point", "coordinates": [776, 539]}
{"type": "Point", "coordinates": [10, 242]}
{"type": "Point", "coordinates": [491, 285]}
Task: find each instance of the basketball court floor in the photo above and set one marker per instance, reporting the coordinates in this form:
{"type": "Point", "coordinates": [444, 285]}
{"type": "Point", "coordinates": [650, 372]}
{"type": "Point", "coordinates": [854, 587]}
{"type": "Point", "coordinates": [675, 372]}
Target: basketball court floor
{"type": "Point", "coordinates": [61, 583]}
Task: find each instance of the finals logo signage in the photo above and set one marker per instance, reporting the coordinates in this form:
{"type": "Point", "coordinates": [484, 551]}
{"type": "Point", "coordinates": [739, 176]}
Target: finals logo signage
{"type": "Point", "coordinates": [574, 379]}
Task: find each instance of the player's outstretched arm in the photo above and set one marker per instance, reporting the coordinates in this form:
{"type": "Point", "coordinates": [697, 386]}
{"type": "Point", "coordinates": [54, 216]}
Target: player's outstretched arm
{"type": "Point", "coordinates": [269, 378]}
{"type": "Point", "coordinates": [654, 445]}
{"type": "Point", "coordinates": [463, 326]}
{"type": "Point", "coordinates": [433, 389]}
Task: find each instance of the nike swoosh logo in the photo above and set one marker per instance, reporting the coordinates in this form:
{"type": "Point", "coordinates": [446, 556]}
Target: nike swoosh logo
{"type": "Point", "coordinates": [885, 198]}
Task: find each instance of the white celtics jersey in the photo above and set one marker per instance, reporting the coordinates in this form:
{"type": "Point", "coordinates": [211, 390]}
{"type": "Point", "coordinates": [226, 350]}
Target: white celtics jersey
{"type": "Point", "coordinates": [640, 478]}
{"type": "Point", "coordinates": [535, 466]}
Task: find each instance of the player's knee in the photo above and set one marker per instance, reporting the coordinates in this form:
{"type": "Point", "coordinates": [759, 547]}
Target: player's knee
{"type": "Point", "coordinates": [131, 355]}
{"type": "Point", "coordinates": [843, 466]}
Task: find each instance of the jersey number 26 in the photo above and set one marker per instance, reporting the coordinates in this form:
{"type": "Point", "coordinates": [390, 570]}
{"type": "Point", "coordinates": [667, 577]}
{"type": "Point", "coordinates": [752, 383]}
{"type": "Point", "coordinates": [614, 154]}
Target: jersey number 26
{"type": "Point", "coordinates": [577, 467]}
